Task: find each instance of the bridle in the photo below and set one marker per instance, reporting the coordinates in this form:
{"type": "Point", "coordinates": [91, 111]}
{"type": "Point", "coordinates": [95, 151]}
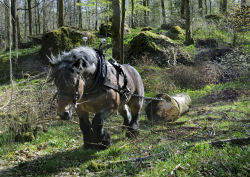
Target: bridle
{"type": "Point", "coordinates": [100, 80]}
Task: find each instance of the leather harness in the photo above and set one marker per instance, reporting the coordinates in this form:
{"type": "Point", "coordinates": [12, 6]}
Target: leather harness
{"type": "Point", "coordinates": [101, 80]}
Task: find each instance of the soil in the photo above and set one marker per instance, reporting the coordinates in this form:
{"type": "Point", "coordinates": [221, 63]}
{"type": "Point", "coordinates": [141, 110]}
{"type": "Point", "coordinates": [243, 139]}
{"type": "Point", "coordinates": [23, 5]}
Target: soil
{"type": "Point", "coordinates": [224, 95]}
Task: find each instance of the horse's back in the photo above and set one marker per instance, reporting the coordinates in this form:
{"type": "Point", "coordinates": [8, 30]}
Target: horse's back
{"type": "Point", "coordinates": [134, 79]}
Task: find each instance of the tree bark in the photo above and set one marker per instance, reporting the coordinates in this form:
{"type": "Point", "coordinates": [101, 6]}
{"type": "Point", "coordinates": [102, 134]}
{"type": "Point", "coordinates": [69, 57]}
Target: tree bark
{"type": "Point", "coordinates": [200, 7]}
{"type": "Point", "coordinates": [171, 7]}
{"type": "Point", "coordinates": [144, 2]}
{"type": "Point", "coordinates": [223, 7]}
{"type": "Point", "coordinates": [44, 17]}
{"type": "Point", "coordinates": [210, 7]}
{"type": "Point", "coordinates": [30, 17]}
{"type": "Point", "coordinates": [188, 31]}
{"type": "Point", "coordinates": [132, 14]}
{"type": "Point", "coordinates": [7, 26]}
{"type": "Point", "coordinates": [80, 15]}
{"type": "Point", "coordinates": [116, 33]}
{"type": "Point", "coordinates": [183, 8]}
{"type": "Point", "coordinates": [169, 109]}
{"type": "Point", "coordinates": [36, 25]}
{"type": "Point", "coordinates": [122, 32]}
{"type": "Point", "coordinates": [163, 12]}
{"type": "Point", "coordinates": [96, 14]}
{"type": "Point", "coordinates": [13, 21]}
{"type": "Point", "coordinates": [25, 20]}
{"type": "Point", "coordinates": [60, 13]}
{"type": "Point", "coordinates": [205, 7]}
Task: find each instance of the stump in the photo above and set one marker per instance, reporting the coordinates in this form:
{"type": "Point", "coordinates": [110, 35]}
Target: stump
{"type": "Point", "coordinates": [169, 109]}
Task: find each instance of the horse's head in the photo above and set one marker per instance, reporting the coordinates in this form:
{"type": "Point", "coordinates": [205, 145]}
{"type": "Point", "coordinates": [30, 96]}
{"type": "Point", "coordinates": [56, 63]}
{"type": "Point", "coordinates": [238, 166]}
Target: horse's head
{"type": "Point", "coordinates": [70, 72]}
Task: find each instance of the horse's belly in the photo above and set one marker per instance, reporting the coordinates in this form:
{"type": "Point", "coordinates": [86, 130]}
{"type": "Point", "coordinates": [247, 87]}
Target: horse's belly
{"type": "Point", "coordinates": [106, 101]}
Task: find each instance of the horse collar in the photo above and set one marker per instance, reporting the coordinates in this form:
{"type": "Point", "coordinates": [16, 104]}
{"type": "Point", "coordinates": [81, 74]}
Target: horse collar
{"type": "Point", "coordinates": [100, 74]}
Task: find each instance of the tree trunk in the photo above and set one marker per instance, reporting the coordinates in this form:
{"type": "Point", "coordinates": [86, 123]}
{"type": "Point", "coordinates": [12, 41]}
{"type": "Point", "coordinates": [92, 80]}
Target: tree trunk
{"type": "Point", "coordinates": [60, 13]}
{"type": "Point", "coordinates": [38, 19]}
{"type": "Point", "coordinates": [36, 25]}
{"type": "Point", "coordinates": [188, 31]}
{"type": "Point", "coordinates": [206, 7]}
{"type": "Point", "coordinates": [7, 26]}
{"type": "Point", "coordinates": [13, 21]}
{"type": "Point", "coordinates": [25, 20]}
{"type": "Point", "coordinates": [14, 27]}
{"type": "Point", "coordinates": [210, 7]}
{"type": "Point", "coordinates": [223, 4]}
{"type": "Point", "coordinates": [96, 14]}
{"type": "Point", "coordinates": [183, 8]}
{"type": "Point", "coordinates": [44, 17]}
{"type": "Point", "coordinates": [116, 33]}
{"type": "Point", "coordinates": [30, 17]}
{"type": "Point", "coordinates": [80, 15]}
{"type": "Point", "coordinates": [200, 7]}
{"type": "Point", "coordinates": [163, 12]}
{"type": "Point", "coordinates": [147, 12]}
{"type": "Point", "coordinates": [144, 2]}
{"type": "Point", "coordinates": [122, 32]}
{"type": "Point", "coordinates": [18, 29]}
{"type": "Point", "coordinates": [74, 14]}
{"type": "Point", "coordinates": [169, 109]}
{"type": "Point", "coordinates": [132, 14]}
{"type": "Point", "coordinates": [171, 7]}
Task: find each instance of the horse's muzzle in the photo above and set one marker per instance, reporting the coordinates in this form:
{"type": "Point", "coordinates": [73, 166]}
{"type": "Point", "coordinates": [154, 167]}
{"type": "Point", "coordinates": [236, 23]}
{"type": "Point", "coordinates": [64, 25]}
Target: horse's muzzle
{"type": "Point", "coordinates": [66, 115]}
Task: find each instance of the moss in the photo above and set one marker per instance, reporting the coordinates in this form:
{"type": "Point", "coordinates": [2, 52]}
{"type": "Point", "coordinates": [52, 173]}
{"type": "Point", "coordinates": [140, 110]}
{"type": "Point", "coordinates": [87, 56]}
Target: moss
{"type": "Point", "coordinates": [148, 28]}
{"type": "Point", "coordinates": [94, 166]}
{"type": "Point", "coordinates": [105, 29]}
{"type": "Point", "coordinates": [159, 49]}
{"type": "Point", "coordinates": [149, 42]}
{"type": "Point", "coordinates": [63, 39]}
{"type": "Point", "coordinates": [176, 32]}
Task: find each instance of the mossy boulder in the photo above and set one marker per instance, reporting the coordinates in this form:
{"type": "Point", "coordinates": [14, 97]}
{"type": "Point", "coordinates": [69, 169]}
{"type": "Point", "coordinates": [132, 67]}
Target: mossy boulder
{"type": "Point", "coordinates": [63, 39]}
{"type": "Point", "coordinates": [176, 32]}
{"type": "Point", "coordinates": [166, 26]}
{"type": "Point", "coordinates": [156, 48]}
{"type": "Point", "coordinates": [148, 28]}
{"type": "Point", "coordinates": [105, 30]}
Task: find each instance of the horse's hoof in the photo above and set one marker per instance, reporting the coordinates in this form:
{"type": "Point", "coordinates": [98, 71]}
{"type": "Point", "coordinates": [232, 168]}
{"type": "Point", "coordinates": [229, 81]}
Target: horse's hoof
{"type": "Point", "coordinates": [132, 133]}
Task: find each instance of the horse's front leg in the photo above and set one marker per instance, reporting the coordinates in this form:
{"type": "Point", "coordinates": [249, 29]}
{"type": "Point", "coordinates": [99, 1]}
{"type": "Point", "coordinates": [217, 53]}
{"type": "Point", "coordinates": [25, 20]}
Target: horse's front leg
{"type": "Point", "coordinates": [102, 137]}
{"type": "Point", "coordinates": [85, 125]}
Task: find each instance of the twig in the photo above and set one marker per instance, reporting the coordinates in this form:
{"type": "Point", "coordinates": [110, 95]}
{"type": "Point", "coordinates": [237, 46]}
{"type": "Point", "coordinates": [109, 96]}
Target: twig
{"type": "Point", "coordinates": [238, 141]}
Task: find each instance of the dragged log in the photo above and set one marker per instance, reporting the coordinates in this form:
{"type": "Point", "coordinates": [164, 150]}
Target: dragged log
{"type": "Point", "coordinates": [169, 109]}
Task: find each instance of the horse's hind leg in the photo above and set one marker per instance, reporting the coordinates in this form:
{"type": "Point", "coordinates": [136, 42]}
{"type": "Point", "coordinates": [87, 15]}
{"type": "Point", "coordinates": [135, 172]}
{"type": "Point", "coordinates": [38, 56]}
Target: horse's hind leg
{"type": "Point", "coordinates": [102, 137]}
{"type": "Point", "coordinates": [124, 111]}
{"type": "Point", "coordinates": [135, 105]}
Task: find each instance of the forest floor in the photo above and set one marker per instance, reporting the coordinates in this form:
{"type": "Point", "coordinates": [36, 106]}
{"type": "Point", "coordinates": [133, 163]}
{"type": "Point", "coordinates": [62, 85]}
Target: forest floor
{"type": "Point", "coordinates": [188, 147]}
{"type": "Point", "coordinates": [168, 149]}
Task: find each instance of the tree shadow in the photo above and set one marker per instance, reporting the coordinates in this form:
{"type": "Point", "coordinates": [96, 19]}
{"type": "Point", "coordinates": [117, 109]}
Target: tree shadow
{"type": "Point", "coordinates": [51, 164]}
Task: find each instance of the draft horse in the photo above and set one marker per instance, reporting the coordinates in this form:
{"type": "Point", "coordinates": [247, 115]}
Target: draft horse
{"type": "Point", "coordinates": [87, 81]}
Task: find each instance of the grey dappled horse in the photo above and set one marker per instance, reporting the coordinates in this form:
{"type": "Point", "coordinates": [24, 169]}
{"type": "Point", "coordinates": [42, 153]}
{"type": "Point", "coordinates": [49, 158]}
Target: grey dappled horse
{"type": "Point", "coordinates": [84, 78]}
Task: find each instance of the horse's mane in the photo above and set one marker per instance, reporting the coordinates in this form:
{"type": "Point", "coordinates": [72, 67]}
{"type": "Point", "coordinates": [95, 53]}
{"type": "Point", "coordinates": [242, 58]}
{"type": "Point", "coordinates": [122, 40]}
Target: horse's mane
{"type": "Point", "coordinates": [65, 59]}
{"type": "Point", "coordinates": [74, 54]}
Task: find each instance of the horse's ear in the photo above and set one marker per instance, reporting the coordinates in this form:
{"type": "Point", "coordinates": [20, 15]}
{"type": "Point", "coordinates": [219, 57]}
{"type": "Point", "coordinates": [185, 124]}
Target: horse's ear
{"type": "Point", "coordinates": [52, 60]}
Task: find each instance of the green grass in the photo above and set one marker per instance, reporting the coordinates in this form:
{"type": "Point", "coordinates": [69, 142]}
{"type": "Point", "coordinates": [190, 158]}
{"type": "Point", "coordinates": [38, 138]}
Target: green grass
{"type": "Point", "coordinates": [59, 151]}
{"type": "Point", "coordinates": [21, 52]}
